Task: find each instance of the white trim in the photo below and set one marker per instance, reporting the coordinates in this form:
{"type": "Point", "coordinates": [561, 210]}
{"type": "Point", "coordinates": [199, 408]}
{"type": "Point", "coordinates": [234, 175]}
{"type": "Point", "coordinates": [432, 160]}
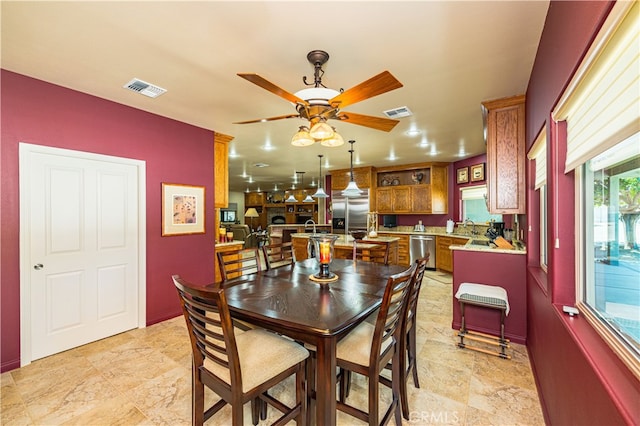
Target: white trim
{"type": "Point", "coordinates": [24, 150]}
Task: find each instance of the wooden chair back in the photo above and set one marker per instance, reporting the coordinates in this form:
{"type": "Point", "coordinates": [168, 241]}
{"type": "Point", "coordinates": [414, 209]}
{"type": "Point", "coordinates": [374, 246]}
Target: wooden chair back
{"type": "Point", "coordinates": [235, 263]}
{"type": "Point", "coordinates": [371, 251]}
{"type": "Point", "coordinates": [279, 254]}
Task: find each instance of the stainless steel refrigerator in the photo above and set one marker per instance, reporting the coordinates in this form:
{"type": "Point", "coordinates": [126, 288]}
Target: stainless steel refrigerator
{"type": "Point", "coordinates": [349, 213]}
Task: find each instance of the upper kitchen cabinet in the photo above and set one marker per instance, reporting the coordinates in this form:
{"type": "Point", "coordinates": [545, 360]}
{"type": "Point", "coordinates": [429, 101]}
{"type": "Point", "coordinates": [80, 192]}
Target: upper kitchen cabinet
{"type": "Point", "coordinates": [412, 189]}
{"type": "Point", "coordinates": [362, 176]}
{"type": "Point", "coordinates": [504, 120]}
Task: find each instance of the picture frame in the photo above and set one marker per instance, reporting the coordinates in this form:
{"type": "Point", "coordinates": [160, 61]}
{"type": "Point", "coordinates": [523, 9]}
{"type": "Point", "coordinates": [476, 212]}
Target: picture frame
{"type": "Point", "coordinates": [183, 209]}
{"type": "Point", "coordinates": [462, 175]}
{"type": "Point", "coordinates": [477, 172]}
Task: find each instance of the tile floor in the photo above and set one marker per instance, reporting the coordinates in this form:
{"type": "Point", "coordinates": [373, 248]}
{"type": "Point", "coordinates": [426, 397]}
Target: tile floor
{"type": "Point", "coordinates": [142, 377]}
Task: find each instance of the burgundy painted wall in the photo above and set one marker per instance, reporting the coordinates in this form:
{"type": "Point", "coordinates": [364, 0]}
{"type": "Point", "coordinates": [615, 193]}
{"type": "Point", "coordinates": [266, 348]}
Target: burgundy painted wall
{"type": "Point", "coordinates": [40, 113]}
{"type": "Point", "coordinates": [580, 380]}
{"type": "Point", "coordinates": [505, 270]}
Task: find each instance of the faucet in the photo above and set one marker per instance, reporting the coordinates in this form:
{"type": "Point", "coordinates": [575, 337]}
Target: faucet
{"type": "Point", "coordinates": [312, 222]}
{"type": "Point", "coordinates": [473, 231]}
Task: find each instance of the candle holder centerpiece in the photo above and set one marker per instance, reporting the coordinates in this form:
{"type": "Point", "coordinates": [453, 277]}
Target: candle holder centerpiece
{"type": "Point", "coordinates": [323, 245]}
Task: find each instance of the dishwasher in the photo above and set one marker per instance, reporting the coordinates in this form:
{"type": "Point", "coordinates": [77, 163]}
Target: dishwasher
{"type": "Point", "coordinates": [420, 245]}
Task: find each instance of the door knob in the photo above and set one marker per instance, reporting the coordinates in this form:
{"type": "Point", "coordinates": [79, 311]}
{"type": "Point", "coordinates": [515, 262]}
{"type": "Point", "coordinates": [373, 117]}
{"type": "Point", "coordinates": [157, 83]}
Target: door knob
{"type": "Point", "coordinates": [38, 266]}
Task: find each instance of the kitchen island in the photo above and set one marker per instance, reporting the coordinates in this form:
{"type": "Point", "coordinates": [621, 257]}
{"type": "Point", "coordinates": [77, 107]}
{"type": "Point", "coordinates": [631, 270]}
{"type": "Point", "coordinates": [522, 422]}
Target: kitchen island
{"type": "Point", "coordinates": [506, 268]}
{"type": "Point", "coordinates": [343, 248]}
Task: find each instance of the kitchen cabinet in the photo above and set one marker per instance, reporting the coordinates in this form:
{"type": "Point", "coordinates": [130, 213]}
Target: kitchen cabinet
{"type": "Point", "coordinates": [361, 175]}
{"type": "Point", "coordinates": [444, 258]}
{"type": "Point", "coordinates": [220, 176]}
{"type": "Point", "coordinates": [393, 199]}
{"type": "Point", "coordinates": [403, 247]}
{"type": "Point", "coordinates": [413, 189]}
{"type": "Point", "coordinates": [505, 121]}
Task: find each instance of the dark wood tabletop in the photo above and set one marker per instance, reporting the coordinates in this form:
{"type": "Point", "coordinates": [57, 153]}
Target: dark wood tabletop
{"type": "Point", "coordinates": [285, 300]}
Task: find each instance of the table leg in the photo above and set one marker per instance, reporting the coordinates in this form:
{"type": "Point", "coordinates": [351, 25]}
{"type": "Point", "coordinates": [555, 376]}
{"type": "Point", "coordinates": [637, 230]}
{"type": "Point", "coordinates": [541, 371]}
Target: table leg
{"type": "Point", "coordinates": [326, 381]}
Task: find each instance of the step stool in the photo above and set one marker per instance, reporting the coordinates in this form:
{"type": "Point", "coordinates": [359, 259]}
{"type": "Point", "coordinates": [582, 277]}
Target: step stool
{"type": "Point", "coordinates": [486, 296]}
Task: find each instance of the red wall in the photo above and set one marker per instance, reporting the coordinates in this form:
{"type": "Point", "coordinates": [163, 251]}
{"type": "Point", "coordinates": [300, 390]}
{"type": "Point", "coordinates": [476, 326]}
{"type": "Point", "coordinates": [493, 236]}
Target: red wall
{"type": "Point", "coordinates": [580, 380]}
{"type": "Point", "coordinates": [41, 113]}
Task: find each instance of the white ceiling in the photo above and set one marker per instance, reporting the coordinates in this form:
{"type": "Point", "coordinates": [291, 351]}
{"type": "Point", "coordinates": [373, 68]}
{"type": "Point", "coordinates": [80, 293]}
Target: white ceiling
{"type": "Point", "coordinates": [449, 55]}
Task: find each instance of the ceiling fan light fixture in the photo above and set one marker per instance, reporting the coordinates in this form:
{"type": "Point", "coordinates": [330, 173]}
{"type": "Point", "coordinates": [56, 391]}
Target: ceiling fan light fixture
{"type": "Point", "coordinates": [333, 141]}
{"type": "Point", "coordinates": [302, 137]}
{"type": "Point", "coordinates": [321, 130]}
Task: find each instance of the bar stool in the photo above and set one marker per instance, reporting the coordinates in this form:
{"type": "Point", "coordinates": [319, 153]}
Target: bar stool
{"type": "Point", "coordinates": [485, 296]}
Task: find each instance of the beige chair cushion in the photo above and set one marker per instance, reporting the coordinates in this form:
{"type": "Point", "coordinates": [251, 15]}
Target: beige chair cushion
{"type": "Point", "coordinates": [356, 347]}
{"type": "Point", "coordinates": [263, 355]}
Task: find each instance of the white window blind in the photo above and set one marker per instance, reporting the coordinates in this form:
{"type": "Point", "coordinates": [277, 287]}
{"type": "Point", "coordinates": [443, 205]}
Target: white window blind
{"type": "Point", "coordinates": [473, 192]}
{"type": "Point", "coordinates": [602, 102]}
{"type": "Point", "coordinates": [538, 152]}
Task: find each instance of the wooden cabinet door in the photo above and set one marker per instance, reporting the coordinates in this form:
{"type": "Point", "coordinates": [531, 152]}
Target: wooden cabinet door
{"type": "Point", "coordinates": [403, 250]}
{"type": "Point", "coordinates": [384, 203]}
{"type": "Point", "coordinates": [401, 199]}
{"type": "Point", "coordinates": [421, 199]}
{"type": "Point", "coordinates": [221, 170]}
{"type": "Point", "coordinates": [444, 259]}
{"type": "Point", "coordinates": [506, 155]}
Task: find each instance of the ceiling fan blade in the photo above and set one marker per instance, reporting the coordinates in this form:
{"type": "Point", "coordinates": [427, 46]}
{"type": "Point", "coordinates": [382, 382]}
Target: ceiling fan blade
{"type": "Point", "coordinates": [377, 85]}
{"type": "Point", "coordinates": [378, 123]}
{"type": "Point", "coordinates": [266, 84]}
{"type": "Point", "coordinates": [262, 120]}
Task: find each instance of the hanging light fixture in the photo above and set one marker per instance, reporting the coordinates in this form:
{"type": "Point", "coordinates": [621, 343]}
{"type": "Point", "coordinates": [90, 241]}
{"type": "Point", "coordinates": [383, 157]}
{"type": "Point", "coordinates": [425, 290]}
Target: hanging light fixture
{"type": "Point", "coordinates": [321, 130]}
{"type": "Point", "coordinates": [308, 198]}
{"type": "Point", "coordinates": [320, 192]}
{"type": "Point", "coordinates": [352, 189]}
{"type": "Point", "coordinates": [292, 198]}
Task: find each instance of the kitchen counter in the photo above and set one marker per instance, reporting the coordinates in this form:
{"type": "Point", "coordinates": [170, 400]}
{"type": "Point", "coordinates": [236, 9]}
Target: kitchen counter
{"type": "Point", "coordinates": [487, 249]}
{"type": "Point", "coordinates": [343, 247]}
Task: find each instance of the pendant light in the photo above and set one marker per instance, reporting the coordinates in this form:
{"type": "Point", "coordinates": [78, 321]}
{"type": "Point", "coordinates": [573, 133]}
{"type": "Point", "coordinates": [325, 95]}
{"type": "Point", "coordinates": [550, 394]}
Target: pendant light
{"type": "Point", "coordinates": [292, 198]}
{"type": "Point", "coordinates": [320, 192]}
{"type": "Point", "coordinates": [308, 198]}
{"type": "Point", "coordinates": [352, 189]}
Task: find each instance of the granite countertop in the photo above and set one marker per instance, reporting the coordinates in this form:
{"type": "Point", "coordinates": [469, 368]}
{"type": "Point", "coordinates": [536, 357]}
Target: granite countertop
{"type": "Point", "coordinates": [345, 240]}
{"type": "Point", "coordinates": [488, 248]}
{"type": "Point", "coordinates": [229, 243]}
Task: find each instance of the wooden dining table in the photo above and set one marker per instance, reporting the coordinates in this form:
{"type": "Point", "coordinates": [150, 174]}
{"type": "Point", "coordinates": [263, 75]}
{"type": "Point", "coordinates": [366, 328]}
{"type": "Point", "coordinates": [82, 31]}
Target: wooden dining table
{"type": "Point", "coordinates": [287, 301]}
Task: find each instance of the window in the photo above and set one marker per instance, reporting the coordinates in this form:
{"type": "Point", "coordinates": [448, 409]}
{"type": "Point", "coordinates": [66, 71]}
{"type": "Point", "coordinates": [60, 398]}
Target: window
{"type": "Point", "coordinates": [474, 205]}
{"type": "Point", "coordinates": [600, 107]}
{"type": "Point", "coordinates": [538, 153]}
{"type": "Point", "coordinates": [611, 244]}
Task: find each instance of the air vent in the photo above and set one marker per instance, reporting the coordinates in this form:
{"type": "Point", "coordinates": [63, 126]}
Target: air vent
{"type": "Point", "coordinates": [398, 112]}
{"type": "Point", "coordinates": [144, 88]}
{"type": "Point", "coordinates": [261, 165]}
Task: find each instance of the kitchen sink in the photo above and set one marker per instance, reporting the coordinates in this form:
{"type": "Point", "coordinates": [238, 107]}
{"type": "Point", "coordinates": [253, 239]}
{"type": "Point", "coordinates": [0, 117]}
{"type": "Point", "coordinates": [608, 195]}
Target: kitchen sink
{"type": "Point", "coordinates": [479, 242]}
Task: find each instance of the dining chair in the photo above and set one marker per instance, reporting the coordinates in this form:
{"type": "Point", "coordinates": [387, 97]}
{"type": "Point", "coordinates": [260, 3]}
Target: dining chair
{"type": "Point", "coordinates": [369, 348]}
{"type": "Point", "coordinates": [371, 251]}
{"type": "Point", "coordinates": [278, 254]}
{"type": "Point", "coordinates": [408, 342]}
{"type": "Point", "coordinates": [229, 364]}
{"type": "Point", "coordinates": [235, 263]}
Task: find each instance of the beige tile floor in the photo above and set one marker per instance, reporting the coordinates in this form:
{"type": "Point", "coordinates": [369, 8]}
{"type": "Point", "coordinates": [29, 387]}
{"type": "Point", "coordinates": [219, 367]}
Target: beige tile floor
{"type": "Point", "coordinates": [142, 377]}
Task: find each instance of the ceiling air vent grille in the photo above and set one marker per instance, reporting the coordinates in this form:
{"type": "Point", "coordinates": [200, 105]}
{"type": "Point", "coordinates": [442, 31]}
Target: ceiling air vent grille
{"type": "Point", "coordinates": [144, 88]}
{"type": "Point", "coordinates": [398, 112]}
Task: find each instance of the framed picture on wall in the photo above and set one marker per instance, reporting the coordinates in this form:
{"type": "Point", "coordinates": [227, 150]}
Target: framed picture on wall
{"type": "Point", "coordinates": [182, 209]}
{"type": "Point", "coordinates": [462, 175]}
{"type": "Point", "coordinates": [477, 172]}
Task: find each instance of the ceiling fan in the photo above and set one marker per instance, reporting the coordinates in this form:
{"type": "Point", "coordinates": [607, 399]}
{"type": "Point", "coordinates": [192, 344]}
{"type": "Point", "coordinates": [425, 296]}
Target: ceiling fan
{"type": "Point", "coordinates": [319, 103]}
